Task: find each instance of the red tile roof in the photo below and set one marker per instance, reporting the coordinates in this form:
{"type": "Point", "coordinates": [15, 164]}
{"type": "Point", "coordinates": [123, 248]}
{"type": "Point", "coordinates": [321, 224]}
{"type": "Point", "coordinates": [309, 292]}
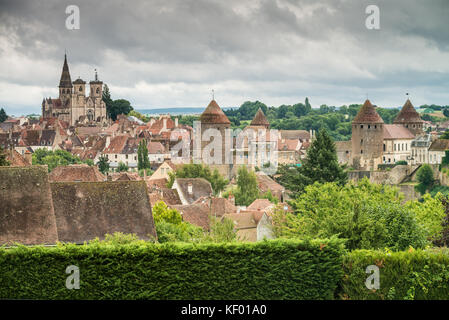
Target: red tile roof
{"type": "Point", "coordinates": [408, 114]}
{"type": "Point", "coordinates": [367, 114]}
{"type": "Point", "coordinates": [394, 131]}
{"type": "Point", "coordinates": [214, 115]}
{"type": "Point", "coordinates": [260, 119]}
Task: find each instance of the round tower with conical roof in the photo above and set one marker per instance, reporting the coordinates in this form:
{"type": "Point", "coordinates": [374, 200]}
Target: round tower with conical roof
{"type": "Point", "coordinates": [213, 117]}
{"type": "Point", "coordinates": [410, 118]}
{"type": "Point", "coordinates": [367, 138]}
{"type": "Point", "coordinates": [260, 120]}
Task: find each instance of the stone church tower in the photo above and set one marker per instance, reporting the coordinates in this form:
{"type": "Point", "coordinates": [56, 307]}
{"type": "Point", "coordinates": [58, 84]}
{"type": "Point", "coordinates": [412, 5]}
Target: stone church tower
{"type": "Point", "coordinates": [72, 105]}
{"type": "Point", "coordinates": [367, 138]}
{"type": "Point", "coordinates": [409, 118]}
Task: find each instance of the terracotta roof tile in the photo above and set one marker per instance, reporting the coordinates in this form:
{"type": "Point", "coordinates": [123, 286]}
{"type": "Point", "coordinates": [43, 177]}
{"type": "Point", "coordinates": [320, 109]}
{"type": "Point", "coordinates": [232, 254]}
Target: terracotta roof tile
{"type": "Point", "coordinates": [394, 131]}
{"type": "Point", "coordinates": [260, 119]}
{"type": "Point", "coordinates": [408, 114]}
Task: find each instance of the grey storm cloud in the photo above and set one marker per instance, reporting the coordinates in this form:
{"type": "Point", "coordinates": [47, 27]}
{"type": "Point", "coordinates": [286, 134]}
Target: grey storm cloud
{"type": "Point", "coordinates": [171, 53]}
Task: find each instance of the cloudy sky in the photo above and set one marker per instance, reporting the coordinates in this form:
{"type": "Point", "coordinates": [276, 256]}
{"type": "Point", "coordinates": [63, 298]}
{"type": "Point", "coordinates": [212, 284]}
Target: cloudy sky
{"type": "Point", "coordinates": [172, 53]}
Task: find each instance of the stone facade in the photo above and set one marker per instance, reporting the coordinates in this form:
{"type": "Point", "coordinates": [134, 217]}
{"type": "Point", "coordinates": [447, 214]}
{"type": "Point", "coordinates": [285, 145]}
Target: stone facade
{"type": "Point", "coordinates": [73, 106]}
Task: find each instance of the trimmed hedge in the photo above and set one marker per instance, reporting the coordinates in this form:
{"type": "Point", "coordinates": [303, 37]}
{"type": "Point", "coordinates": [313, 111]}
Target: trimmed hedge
{"type": "Point", "coordinates": [413, 274]}
{"type": "Point", "coordinates": [275, 269]}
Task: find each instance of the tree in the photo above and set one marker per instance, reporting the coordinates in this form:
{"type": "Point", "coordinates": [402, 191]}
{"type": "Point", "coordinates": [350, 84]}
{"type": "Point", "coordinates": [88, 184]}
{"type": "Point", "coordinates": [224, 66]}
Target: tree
{"type": "Point", "coordinates": [3, 161]}
{"type": "Point", "coordinates": [446, 112]}
{"type": "Point", "coordinates": [247, 190]}
{"type": "Point", "coordinates": [320, 165]}
{"type": "Point", "coordinates": [56, 158]}
{"type": "Point", "coordinates": [103, 164]}
{"type": "Point", "coordinates": [194, 170]}
{"type": "Point", "coordinates": [107, 99]}
{"type": "Point", "coordinates": [445, 135]}
{"type": "Point", "coordinates": [3, 115]}
{"type": "Point", "coordinates": [163, 213]}
{"type": "Point", "coordinates": [368, 216]}
{"type": "Point", "coordinates": [425, 178]}
{"type": "Point", "coordinates": [122, 167]}
{"type": "Point", "coordinates": [429, 212]}
{"type": "Point", "coordinates": [142, 155]}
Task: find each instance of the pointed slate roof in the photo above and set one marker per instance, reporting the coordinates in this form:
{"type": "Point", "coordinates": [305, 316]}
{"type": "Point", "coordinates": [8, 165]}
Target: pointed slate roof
{"type": "Point", "coordinates": [214, 115]}
{"type": "Point", "coordinates": [367, 114]}
{"type": "Point", "coordinates": [260, 119]}
{"type": "Point", "coordinates": [407, 114]}
{"type": "Point", "coordinates": [65, 81]}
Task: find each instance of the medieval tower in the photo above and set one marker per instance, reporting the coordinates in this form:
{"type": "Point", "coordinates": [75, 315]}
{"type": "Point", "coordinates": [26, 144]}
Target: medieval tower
{"type": "Point", "coordinates": [409, 118]}
{"type": "Point", "coordinates": [214, 118]}
{"type": "Point", "coordinates": [367, 138]}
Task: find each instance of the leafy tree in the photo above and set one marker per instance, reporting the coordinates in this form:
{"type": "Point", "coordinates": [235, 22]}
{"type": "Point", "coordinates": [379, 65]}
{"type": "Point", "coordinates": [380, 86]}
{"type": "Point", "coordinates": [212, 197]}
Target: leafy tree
{"type": "Point", "coordinates": [103, 164]}
{"type": "Point", "coordinates": [3, 115]}
{"type": "Point", "coordinates": [163, 213]}
{"type": "Point", "coordinates": [425, 178]}
{"type": "Point", "coordinates": [445, 135]}
{"type": "Point", "coordinates": [3, 161]}
{"type": "Point", "coordinates": [247, 190]}
{"type": "Point", "coordinates": [221, 230]}
{"type": "Point", "coordinates": [139, 116]}
{"type": "Point", "coordinates": [56, 158]}
{"type": "Point", "coordinates": [320, 165]}
{"type": "Point", "coordinates": [107, 99]}
{"type": "Point", "coordinates": [446, 112]}
{"type": "Point", "coordinates": [429, 213]}
{"type": "Point", "coordinates": [142, 155]}
{"type": "Point", "coordinates": [149, 172]}
{"type": "Point", "coordinates": [268, 195]}
{"type": "Point", "coordinates": [194, 170]}
{"type": "Point", "coordinates": [368, 216]}
{"type": "Point", "coordinates": [170, 227]}
{"type": "Point", "coordinates": [122, 167]}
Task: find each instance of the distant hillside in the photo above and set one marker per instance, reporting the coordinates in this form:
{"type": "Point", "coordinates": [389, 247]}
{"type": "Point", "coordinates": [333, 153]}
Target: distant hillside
{"type": "Point", "coordinates": [172, 111]}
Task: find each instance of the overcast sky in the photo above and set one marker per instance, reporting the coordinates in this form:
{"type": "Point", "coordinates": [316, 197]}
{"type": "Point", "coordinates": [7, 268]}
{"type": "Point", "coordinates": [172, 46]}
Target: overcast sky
{"type": "Point", "coordinates": [172, 53]}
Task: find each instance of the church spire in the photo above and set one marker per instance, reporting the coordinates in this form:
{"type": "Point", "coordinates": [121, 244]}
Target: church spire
{"type": "Point", "coordinates": [66, 81]}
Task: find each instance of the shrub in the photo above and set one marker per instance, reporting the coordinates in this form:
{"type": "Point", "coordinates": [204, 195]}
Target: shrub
{"type": "Point", "coordinates": [412, 274]}
{"type": "Point", "coordinates": [275, 269]}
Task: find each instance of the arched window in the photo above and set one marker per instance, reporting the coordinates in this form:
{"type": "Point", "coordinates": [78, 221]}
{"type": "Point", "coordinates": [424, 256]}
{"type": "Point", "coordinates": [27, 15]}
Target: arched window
{"type": "Point", "coordinates": [81, 89]}
{"type": "Point", "coordinates": [98, 90]}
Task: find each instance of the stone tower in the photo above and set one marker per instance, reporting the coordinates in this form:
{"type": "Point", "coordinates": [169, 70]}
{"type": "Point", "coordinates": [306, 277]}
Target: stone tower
{"type": "Point", "coordinates": [367, 138]}
{"type": "Point", "coordinates": [96, 87]}
{"type": "Point", "coordinates": [409, 118]}
{"type": "Point", "coordinates": [65, 83]}
{"type": "Point", "coordinates": [214, 118]}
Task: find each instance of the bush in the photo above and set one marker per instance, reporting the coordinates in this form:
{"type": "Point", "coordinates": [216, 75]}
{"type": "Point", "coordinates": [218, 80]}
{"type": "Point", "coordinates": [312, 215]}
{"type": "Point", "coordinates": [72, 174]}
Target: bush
{"type": "Point", "coordinates": [413, 274]}
{"type": "Point", "coordinates": [275, 269]}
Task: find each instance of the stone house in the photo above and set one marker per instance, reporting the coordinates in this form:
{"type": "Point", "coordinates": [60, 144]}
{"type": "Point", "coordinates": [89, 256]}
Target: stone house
{"type": "Point", "coordinates": [191, 189]}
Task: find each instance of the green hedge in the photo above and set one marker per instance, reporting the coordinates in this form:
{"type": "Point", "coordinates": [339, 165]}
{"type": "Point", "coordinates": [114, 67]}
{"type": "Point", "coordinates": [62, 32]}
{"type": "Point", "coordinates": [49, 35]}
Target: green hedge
{"type": "Point", "coordinates": [414, 274]}
{"type": "Point", "coordinates": [275, 269]}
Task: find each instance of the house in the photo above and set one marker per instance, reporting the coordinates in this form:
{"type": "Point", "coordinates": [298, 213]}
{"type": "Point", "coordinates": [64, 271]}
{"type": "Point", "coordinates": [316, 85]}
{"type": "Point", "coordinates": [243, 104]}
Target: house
{"type": "Point", "coordinates": [251, 225]}
{"type": "Point", "coordinates": [397, 143]}
{"type": "Point", "coordinates": [169, 196]}
{"type": "Point", "coordinates": [265, 184]}
{"type": "Point", "coordinates": [196, 214]}
{"type": "Point", "coordinates": [289, 151]}
{"type": "Point", "coordinates": [191, 189]}
{"type": "Point", "coordinates": [344, 149]}
{"type": "Point", "coordinates": [218, 206]}
{"type": "Point", "coordinates": [261, 205]}
{"type": "Point", "coordinates": [163, 170]}
{"type": "Point", "coordinates": [420, 149]}
{"type": "Point", "coordinates": [76, 173]}
{"type": "Point", "coordinates": [437, 150]}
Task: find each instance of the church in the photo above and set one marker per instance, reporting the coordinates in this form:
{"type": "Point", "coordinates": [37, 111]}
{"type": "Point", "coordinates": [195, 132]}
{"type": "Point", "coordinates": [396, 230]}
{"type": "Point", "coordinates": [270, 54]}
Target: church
{"type": "Point", "coordinates": [73, 106]}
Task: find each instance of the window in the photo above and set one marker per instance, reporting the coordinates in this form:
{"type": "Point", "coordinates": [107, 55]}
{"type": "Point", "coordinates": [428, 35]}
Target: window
{"type": "Point", "coordinates": [361, 126]}
{"type": "Point", "coordinates": [385, 148]}
{"type": "Point", "coordinates": [98, 90]}
{"type": "Point", "coordinates": [361, 151]}
{"type": "Point", "coordinates": [361, 141]}
{"type": "Point", "coordinates": [116, 156]}
{"type": "Point", "coordinates": [369, 126]}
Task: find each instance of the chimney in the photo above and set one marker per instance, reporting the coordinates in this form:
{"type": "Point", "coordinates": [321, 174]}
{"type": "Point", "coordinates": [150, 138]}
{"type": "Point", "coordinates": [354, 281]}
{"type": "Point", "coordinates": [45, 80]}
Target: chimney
{"type": "Point", "coordinates": [231, 198]}
{"type": "Point", "coordinates": [28, 157]}
{"type": "Point", "coordinates": [164, 125]}
{"type": "Point", "coordinates": [190, 188]}
{"type": "Point", "coordinates": [108, 142]}
{"type": "Point", "coordinates": [176, 122]}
